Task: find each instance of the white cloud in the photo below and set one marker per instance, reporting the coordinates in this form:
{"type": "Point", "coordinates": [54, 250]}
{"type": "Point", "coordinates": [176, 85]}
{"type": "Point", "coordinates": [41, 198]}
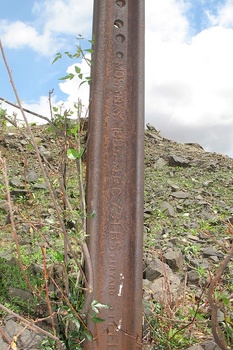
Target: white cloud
{"type": "Point", "coordinates": [74, 90]}
{"type": "Point", "coordinates": [189, 81]}
{"type": "Point", "coordinates": [54, 20]}
{"type": "Point", "coordinates": [166, 19]}
{"type": "Point", "coordinates": [25, 33]}
{"type": "Point", "coordinates": [224, 16]}
{"type": "Point", "coordinates": [17, 35]}
{"type": "Point", "coordinates": [66, 17]}
{"type": "Point", "coordinates": [41, 107]}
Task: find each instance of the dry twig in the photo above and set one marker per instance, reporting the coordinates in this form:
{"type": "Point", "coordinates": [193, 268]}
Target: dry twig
{"type": "Point", "coordinates": [216, 330]}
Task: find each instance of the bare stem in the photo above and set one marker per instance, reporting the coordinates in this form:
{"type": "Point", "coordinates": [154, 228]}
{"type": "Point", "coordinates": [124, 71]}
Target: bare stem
{"type": "Point", "coordinates": [216, 330]}
{"type": "Point", "coordinates": [30, 112]}
{"type": "Point", "coordinates": [33, 141]}
{"type": "Point", "coordinates": [46, 278]}
{"type": "Point", "coordinates": [32, 326]}
{"type": "Point", "coordinates": [11, 212]}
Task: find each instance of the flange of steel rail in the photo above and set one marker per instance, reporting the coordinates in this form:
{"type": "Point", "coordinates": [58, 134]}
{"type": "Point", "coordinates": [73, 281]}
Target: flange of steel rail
{"type": "Point", "coordinates": [115, 173]}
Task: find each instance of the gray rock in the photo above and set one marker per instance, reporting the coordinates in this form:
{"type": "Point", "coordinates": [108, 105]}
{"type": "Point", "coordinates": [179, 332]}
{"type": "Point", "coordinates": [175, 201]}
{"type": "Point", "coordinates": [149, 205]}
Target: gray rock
{"type": "Point", "coordinates": [19, 293]}
{"type": "Point", "coordinates": [180, 194]}
{"type": "Point", "coordinates": [151, 127]}
{"type": "Point", "coordinates": [207, 183]}
{"type": "Point", "coordinates": [4, 206]}
{"type": "Point", "coordinates": [32, 176]}
{"type": "Point", "coordinates": [176, 241]}
{"type": "Point", "coordinates": [174, 259]}
{"type": "Point", "coordinates": [44, 152]}
{"type": "Point", "coordinates": [23, 142]}
{"type": "Point", "coordinates": [214, 258]}
{"type": "Point", "coordinates": [194, 144]}
{"type": "Point", "coordinates": [165, 288]}
{"type": "Point", "coordinates": [155, 269]}
{"type": "Point", "coordinates": [172, 185]}
{"type": "Point", "coordinates": [198, 262]}
{"type": "Point", "coordinates": [209, 251]}
{"type": "Point", "coordinates": [27, 340]}
{"type": "Point", "coordinates": [25, 228]}
{"type": "Point", "coordinates": [160, 163]}
{"type": "Point", "coordinates": [206, 215]}
{"type": "Point", "coordinates": [15, 182]}
{"type": "Point", "coordinates": [178, 161]}
{"type": "Point", "coordinates": [3, 344]}
{"type": "Point", "coordinates": [17, 192]}
{"type": "Point", "coordinates": [210, 345]}
{"type": "Point", "coordinates": [161, 281]}
{"type": "Point", "coordinates": [41, 186]}
{"type": "Point", "coordinates": [146, 290]}
{"type": "Point", "coordinates": [220, 316]}
{"type": "Point", "coordinates": [168, 209]}
{"type": "Point", "coordinates": [193, 276]}
{"type": "Point", "coordinates": [196, 347]}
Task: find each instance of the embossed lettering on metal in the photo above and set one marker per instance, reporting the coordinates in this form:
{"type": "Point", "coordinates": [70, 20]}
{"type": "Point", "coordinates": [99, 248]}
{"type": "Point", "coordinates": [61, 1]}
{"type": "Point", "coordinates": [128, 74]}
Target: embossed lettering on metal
{"type": "Point", "coordinates": [115, 173]}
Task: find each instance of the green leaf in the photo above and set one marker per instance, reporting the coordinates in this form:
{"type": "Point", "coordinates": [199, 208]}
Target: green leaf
{"type": "Point", "coordinates": [224, 298]}
{"type": "Point", "coordinates": [92, 40]}
{"type": "Point", "coordinates": [95, 305]}
{"type": "Point", "coordinates": [89, 50]}
{"type": "Point", "coordinates": [58, 256]}
{"type": "Point", "coordinates": [88, 335]}
{"type": "Point", "coordinates": [171, 332]}
{"type": "Point", "coordinates": [75, 129]}
{"type": "Point", "coordinates": [200, 317]}
{"type": "Point", "coordinates": [77, 69]}
{"type": "Point", "coordinates": [77, 323]}
{"type": "Point", "coordinates": [96, 319]}
{"type": "Point", "coordinates": [57, 57]}
{"type": "Point", "coordinates": [67, 77]}
{"type": "Point", "coordinates": [77, 54]}
{"type": "Point", "coordinates": [68, 54]}
{"type": "Point", "coordinates": [73, 154]}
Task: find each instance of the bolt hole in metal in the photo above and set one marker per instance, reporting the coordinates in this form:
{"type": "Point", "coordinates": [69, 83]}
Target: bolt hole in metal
{"type": "Point", "coordinates": [119, 55]}
{"type": "Point", "coordinates": [120, 38]}
{"type": "Point", "coordinates": [120, 3]}
{"type": "Point", "coordinates": [118, 23]}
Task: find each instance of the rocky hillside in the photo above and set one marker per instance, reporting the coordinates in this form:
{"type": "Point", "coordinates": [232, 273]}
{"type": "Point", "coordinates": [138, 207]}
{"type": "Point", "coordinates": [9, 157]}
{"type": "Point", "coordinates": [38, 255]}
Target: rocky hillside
{"type": "Point", "coordinates": [188, 217]}
{"type": "Point", "coordinates": [187, 235]}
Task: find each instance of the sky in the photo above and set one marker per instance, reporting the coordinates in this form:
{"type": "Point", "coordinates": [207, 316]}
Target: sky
{"type": "Point", "coordinates": [188, 63]}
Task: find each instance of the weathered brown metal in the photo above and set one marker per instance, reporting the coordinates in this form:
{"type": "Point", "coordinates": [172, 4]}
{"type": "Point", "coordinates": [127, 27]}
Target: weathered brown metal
{"type": "Point", "coordinates": [115, 172]}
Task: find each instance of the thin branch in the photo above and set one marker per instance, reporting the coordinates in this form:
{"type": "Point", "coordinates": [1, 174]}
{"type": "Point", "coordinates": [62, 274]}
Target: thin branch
{"type": "Point", "coordinates": [32, 326]}
{"type": "Point", "coordinates": [26, 110]}
{"type": "Point", "coordinates": [216, 330]}
{"type": "Point", "coordinates": [50, 103]}
{"type": "Point", "coordinates": [58, 132]}
{"type": "Point", "coordinates": [43, 169]}
{"type": "Point", "coordinates": [11, 213]}
{"type": "Point", "coordinates": [46, 278]}
{"type": "Point", "coordinates": [5, 336]}
{"type": "Point", "coordinates": [70, 305]}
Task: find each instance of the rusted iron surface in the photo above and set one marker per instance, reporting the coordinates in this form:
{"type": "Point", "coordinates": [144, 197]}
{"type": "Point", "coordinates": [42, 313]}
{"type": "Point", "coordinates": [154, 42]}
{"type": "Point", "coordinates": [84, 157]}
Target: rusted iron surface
{"type": "Point", "coordinates": [115, 172]}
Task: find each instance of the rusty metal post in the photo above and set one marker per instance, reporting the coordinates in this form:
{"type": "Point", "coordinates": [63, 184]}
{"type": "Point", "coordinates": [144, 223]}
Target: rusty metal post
{"type": "Point", "coordinates": [115, 172]}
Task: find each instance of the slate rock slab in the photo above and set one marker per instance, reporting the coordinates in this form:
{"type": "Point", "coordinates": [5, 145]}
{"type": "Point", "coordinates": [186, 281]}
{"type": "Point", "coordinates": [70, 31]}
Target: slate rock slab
{"type": "Point", "coordinates": [180, 194]}
{"type": "Point", "coordinates": [27, 340]}
{"type": "Point", "coordinates": [174, 259]}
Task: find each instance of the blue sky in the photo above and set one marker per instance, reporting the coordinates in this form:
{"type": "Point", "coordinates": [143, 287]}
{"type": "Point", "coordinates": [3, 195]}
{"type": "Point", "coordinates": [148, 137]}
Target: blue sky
{"type": "Point", "coordinates": [189, 55]}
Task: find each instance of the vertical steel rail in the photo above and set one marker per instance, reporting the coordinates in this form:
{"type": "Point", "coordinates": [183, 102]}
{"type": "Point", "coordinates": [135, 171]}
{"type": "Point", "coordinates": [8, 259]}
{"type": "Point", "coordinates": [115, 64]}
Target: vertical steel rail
{"type": "Point", "coordinates": [115, 172]}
